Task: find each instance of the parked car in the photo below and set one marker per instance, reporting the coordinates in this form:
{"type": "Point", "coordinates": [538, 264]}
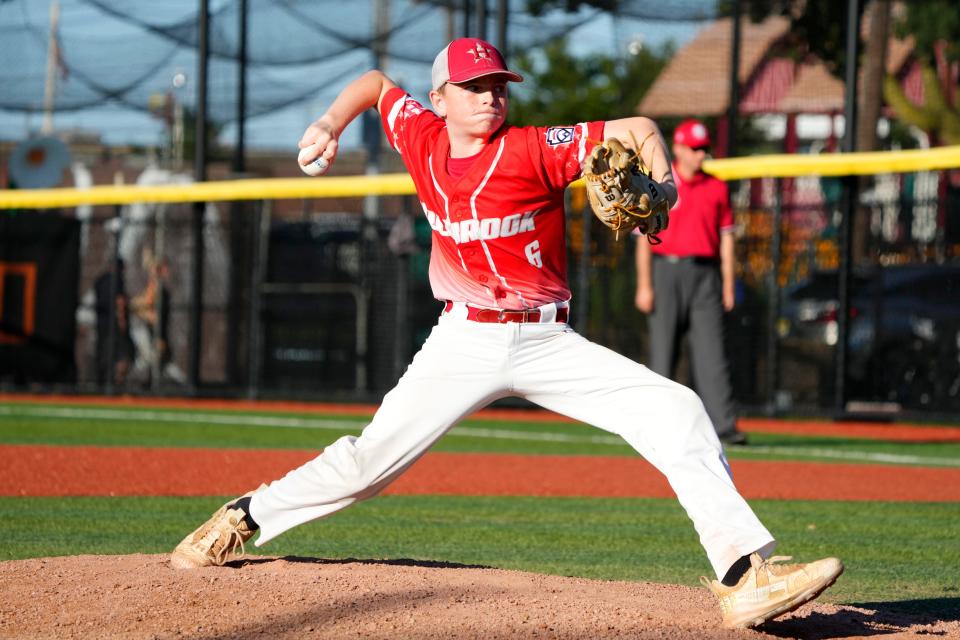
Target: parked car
{"type": "Point", "coordinates": [904, 332]}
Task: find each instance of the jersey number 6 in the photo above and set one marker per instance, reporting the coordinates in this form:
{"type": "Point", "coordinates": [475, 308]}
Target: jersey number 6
{"type": "Point", "coordinates": [533, 254]}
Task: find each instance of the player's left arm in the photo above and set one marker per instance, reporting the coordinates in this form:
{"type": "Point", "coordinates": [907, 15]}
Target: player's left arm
{"type": "Point", "coordinates": [654, 153]}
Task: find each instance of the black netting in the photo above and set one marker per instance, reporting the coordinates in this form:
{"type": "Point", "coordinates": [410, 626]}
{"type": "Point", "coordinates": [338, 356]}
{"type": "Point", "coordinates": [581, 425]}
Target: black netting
{"type": "Point", "coordinates": [126, 52]}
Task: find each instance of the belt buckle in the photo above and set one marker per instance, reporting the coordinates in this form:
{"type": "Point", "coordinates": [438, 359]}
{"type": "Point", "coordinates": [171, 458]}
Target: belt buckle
{"type": "Point", "coordinates": [504, 316]}
{"type": "Point", "coordinates": [514, 315]}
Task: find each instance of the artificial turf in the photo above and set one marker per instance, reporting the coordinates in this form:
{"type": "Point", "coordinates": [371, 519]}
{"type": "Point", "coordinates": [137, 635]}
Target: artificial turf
{"type": "Point", "coordinates": [892, 551]}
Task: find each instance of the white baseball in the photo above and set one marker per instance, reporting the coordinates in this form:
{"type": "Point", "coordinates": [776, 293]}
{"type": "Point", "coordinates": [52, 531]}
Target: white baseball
{"type": "Point", "coordinates": [316, 167]}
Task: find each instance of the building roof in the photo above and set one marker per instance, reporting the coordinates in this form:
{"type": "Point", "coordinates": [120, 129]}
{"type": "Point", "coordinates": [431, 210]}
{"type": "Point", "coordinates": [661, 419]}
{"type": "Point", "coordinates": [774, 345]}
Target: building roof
{"type": "Point", "coordinates": [814, 90]}
{"type": "Point", "coordinates": [696, 80]}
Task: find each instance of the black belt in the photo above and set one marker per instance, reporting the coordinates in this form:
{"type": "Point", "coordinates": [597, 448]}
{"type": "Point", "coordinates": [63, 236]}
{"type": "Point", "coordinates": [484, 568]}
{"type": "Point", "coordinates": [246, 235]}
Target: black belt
{"type": "Point", "coordinates": [704, 260]}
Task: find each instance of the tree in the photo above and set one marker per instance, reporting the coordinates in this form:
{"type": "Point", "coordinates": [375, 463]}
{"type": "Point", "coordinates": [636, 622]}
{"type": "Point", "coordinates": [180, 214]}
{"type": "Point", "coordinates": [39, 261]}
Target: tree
{"type": "Point", "coordinates": [935, 27]}
{"type": "Point", "coordinates": [561, 88]}
{"type": "Point", "coordinates": [819, 28]}
{"type": "Point", "coordinates": [539, 7]}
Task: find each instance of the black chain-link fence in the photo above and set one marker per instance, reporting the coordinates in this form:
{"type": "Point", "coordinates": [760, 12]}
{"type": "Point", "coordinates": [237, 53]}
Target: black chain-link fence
{"type": "Point", "coordinates": [317, 299]}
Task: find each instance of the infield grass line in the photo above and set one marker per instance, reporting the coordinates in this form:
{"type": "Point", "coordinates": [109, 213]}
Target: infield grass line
{"type": "Point", "coordinates": [479, 433]}
{"type": "Point", "coordinates": [853, 456]}
{"type": "Point", "coordinates": [283, 423]}
{"type": "Point", "coordinates": [893, 551]}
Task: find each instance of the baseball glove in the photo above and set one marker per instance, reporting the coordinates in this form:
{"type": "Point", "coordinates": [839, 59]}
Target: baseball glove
{"type": "Point", "coordinates": [621, 192]}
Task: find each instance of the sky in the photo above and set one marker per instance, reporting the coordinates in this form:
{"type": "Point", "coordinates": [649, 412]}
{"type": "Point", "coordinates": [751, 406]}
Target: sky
{"type": "Point", "coordinates": [282, 127]}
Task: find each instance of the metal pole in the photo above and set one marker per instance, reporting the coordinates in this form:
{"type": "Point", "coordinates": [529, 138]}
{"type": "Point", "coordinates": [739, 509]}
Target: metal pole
{"type": "Point", "coordinates": [734, 107]}
{"type": "Point", "coordinates": [482, 20]}
{"type": "Point", "coordinates": [773, 288]}
{"type": "Point", "coordinates": [369, 224]}
{"type": "Point", "coordinates": [239, 155]}
{"type": "Point", "coordinates": [466, 18]}
{"type": "Point", "coordinates": [581, 308]}
{"type": "Point", "coordinates": [159, 304]}
{"type": "Point", "coordinates": [845, 232]}
{"type": "Point", "coordinates": [258, 275]}
{"type": "Point", "coordinates": [503, 17]}
{"type": "Point", "coordinates": [200, 173]}
{"type": "Point", "coordinates": [237, 227]}
{"type": "Point", "coordinates": [112, 306]}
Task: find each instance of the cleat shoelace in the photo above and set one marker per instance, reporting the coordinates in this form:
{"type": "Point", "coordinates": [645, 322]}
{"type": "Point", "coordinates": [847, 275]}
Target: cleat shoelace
{"type": "Point", "coordinates": [222, 544]}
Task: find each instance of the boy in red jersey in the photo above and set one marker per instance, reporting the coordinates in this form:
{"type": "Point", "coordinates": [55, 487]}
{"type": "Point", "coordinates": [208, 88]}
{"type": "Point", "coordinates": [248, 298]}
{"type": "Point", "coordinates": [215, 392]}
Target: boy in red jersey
{"type": "Point", "coordinates": [493, 195]}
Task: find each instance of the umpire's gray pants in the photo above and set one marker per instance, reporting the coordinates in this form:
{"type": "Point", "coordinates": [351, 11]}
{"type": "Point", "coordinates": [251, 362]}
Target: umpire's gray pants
{"type": "Point", "coordinates": [688, 300]}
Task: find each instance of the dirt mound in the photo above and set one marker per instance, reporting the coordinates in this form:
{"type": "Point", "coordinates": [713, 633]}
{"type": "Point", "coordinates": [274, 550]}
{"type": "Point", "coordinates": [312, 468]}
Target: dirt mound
{"type": "Point", "coordinates": [140, 596]}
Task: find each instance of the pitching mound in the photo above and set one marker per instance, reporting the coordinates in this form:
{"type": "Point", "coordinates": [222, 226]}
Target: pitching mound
{"type": "Point", "coordinates": [140, 596]}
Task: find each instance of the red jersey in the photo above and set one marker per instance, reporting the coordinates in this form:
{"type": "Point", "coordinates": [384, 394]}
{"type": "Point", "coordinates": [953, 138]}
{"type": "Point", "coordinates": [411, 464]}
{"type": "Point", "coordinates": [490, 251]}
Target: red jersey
{"type": "Point", "coordinates": [701, 214]}
{"type": "Point", "coordinates": [499, 231]}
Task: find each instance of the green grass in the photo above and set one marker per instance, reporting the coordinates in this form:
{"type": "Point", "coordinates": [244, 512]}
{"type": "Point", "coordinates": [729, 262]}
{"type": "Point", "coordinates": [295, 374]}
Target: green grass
{"type": "Point", "coordinates": [892, 551]}
{"type": "Point", "coordinates": [113, 426]}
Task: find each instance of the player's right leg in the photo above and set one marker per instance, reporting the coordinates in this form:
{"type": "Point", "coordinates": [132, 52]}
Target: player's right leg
{"type": "Point", "coordinates": [459, 370]}
{"type": "Point", "coordinates": [667, 424]}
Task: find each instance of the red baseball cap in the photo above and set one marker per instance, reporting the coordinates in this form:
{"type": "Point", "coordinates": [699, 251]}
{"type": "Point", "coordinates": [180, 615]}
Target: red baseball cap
{"type": "Point", "coordinates": [467, 59]}
{"type": "Point", "coordinates": [692, 133]}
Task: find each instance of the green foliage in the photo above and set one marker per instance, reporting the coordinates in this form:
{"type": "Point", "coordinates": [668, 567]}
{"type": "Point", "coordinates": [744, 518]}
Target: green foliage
{"type": "Point", "coordinates": [560, 88]}
{"type": "Point", "coordinates": [932, 23]}
{"type": "Point", "coordinates": [817, 27]}
{"type": "Point", "coordinates": [937, 116]}
{"type": "Point", "coordinates": [893, 551]}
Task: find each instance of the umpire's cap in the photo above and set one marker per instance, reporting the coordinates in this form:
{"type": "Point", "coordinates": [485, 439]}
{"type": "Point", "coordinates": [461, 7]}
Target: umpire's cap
{"type": "Point", "coordinates": [692, 133]}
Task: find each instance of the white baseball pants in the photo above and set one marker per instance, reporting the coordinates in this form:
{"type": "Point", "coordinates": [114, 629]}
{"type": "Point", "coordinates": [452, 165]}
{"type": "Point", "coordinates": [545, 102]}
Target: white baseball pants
{"type": "Point", "coordinates": [465, 365]}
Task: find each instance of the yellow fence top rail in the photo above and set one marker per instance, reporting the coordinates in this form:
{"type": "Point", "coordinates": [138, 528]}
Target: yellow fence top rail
{"type": "Point", "coordinates": [216, 191]}
{"type": "Point", "coordinates": [834, 164]}
{"type": "Point", "coordinates": [782, 165]}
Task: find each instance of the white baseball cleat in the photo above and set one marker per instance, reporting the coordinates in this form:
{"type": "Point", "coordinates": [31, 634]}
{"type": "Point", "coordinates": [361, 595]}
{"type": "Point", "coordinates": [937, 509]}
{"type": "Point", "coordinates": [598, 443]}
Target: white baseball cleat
{"type": "Point", "coordinates": [769, 590]}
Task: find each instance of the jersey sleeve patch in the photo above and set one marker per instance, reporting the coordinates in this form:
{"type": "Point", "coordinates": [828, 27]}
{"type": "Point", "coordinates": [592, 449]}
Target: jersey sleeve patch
{"type": "Point", "coordinates": [559, 135]}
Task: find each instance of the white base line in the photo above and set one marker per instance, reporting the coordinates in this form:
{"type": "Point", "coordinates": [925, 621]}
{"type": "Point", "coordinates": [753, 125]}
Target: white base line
{"type": "Point", "coordinates": [247, 420]}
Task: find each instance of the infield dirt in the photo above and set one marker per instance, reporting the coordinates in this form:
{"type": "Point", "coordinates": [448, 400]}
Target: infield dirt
{"type": "Point", "coordinates": [140, 596]}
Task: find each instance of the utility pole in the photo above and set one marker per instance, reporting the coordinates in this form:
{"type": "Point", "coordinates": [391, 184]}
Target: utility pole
{"type": "Point", "coordinates": [53, 61]}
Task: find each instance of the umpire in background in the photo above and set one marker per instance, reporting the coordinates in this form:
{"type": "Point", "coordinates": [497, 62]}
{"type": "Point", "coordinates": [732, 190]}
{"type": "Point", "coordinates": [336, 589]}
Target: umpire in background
{"type": "Point", "coordinates": [686, 283]}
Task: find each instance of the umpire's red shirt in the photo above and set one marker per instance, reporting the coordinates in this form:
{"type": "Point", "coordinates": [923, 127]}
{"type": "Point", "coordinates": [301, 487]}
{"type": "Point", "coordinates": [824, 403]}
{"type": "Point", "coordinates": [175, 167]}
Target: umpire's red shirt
{"type": "Point", "coordinates": [701, 214]}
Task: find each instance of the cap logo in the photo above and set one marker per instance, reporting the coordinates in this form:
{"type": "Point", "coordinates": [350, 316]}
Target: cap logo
{"type": "Point", "coordinates": [479, 53]}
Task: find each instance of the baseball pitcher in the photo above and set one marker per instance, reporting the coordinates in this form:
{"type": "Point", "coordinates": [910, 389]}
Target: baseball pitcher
{"type": "Point", "coordinates": [493, 196]}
